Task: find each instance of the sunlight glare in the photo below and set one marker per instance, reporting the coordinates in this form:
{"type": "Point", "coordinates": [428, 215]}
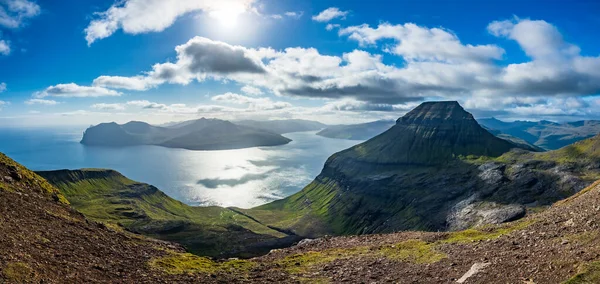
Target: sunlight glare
{"type": "Point", "coordinates": [227, 14]}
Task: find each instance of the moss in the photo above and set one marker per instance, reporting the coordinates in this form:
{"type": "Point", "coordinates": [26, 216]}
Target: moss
{"type": "Point", "coordinates": [414, 251]}
{"type": "Point", "coordinates": [63, 216]}
{"type": "Point", "coordinates": [589, 273]}
{"type": "Point", "coordinates": [18, 272]}
{"type": "Point", "coordinates": [180, 263]}
{"type": "Point", "coordinates": [486, 233]}
{"type": "Point", "coordinates": [583, 238]}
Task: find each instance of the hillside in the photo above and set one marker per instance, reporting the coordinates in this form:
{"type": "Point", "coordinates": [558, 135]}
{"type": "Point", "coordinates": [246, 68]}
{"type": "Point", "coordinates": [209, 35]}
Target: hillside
{"type": "Point", "coordinates": [109, 197]}
{"type": "Point", "coordinates": [545, 134]}
{"type": "Point", "coordinates": [201, 134]}
{"type": "Point", "coordinates": [361, 131]}
{"type": "Point", "coordinates": [283, 126]}
{"type": "Point", "coordinates": [44, 240]}
{"type": "Point", "coordinates": [559, 245]}
{"type": "Point", "coordinates": [436, 169]}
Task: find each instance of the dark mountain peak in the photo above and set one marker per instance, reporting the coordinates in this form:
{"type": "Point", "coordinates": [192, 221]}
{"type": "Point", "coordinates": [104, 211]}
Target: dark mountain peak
{"type": "Point", "coordinates": [432, 133]}
{"type": "Point", "coordinates": [436, 112]}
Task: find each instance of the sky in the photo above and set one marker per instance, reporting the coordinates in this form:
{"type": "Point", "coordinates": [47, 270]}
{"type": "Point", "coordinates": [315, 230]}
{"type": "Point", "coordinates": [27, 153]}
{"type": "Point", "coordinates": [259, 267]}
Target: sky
{"type": "Point", "coordinates": [76, 62]}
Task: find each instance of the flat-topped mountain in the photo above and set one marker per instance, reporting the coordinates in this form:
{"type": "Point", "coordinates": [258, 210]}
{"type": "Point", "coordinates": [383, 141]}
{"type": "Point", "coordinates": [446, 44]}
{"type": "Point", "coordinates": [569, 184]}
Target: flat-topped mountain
{"type": "Point", "coordinates": [432, 133]}
{"type": "Point", "coordinates": [545, 134]}
{"type": "Point", "coordinates": [436, 169]}
{"type": "Point", "coordinates": [362, 131]}
{"type": "Point", "coordinates": [201, 134]}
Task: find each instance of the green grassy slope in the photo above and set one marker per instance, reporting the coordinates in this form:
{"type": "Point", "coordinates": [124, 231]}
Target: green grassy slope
{"type": "Point", "coordinates": [108, 196]}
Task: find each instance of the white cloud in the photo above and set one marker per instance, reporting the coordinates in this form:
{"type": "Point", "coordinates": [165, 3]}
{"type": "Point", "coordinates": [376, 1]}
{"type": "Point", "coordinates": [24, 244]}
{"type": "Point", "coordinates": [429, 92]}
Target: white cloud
{"type": "Point", "coordinates": [198, 59]}
{"type": "Point", "coordinates": [295, 15]}
{"type": "Point", "coordinates": [109, 107]}
{"type": "Point", "coordinates": [252, 103]}
{"type": "Point", "coordinates": [436, 65]}
{"type": "Point", "coordinates": [250, 90]}
{"type": "Point", "coordinates": [41, 102]}
{"type": "Point", "coordinates": [416, 43]}
{"type": "Point", "coordinates": [330, 14]}
{"type": "Point", "coordinates": [14, 12]}
{"type": "Point", "coordinates": [73, 90]}
{"type": "Point", "coordinates": [4, 47]}
{"type": "Point", "coordinates": [2, 87]}
{"type": "Point", "coordinates": [330, 27]}
{"type": "Point", "coordinates": [3, 104]}
{"type": "Point", "coordinates": [143, 16]}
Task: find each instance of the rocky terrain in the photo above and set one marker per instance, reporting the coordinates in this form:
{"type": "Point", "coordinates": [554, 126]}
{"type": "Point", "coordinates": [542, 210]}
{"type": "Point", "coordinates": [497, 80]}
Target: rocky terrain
{"type": "Point", "coordinates": [44, 240]}
{"type": "Point", "coordinates": [201, 134]}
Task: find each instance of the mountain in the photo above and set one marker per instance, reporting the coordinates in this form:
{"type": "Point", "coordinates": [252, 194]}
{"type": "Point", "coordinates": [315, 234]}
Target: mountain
{"type": "Point", "coordinates": [361, 131]}
{"type": "Point", "coordinates": [107, 196]}
{"type": "Point", "coordinates": [515, 140]}
{"type": "Point", "coordinates": [201, 134]}
{"type": "Point", "coordinates": [545, 134]}
{"type": "Point", "coordinates": [435, 169]}
{"type": "Point", "coordinates": [44, 240]}
{"type": "Point", "coordinates": [284, 125]}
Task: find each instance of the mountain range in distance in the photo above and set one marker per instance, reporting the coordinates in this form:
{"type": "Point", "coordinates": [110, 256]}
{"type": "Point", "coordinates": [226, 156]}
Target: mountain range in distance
{"type": "Point", "coordinates": [545, 134]}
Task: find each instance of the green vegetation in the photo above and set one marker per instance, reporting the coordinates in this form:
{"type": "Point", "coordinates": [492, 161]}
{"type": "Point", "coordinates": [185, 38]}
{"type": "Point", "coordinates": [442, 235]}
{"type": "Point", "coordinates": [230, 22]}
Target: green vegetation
{"type": "Point", "coordinates": [487, 232]}
{"type": "Point", "coordinates": [411, 251]}
{"type": "Point", "coordinates": [18, 272]}
{"type": "Point", "coordinates": [180, 263]}
{"type": "Point", "coordinates": [24, 179]}
{"type": "Point", "coordinates": [109, 197]}
{"type": "Point", "coordinates": [588, 274]}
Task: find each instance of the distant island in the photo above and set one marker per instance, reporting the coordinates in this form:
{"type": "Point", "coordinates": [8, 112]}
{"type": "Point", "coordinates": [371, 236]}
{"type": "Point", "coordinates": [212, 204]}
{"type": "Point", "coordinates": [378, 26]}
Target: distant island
{"type": "Point", "coordinates": [201, 134]}
{"type": "Point", "coordinates": [362, 131]}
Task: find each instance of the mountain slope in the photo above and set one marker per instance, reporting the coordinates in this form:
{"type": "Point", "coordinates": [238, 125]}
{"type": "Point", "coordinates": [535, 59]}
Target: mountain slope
{"type": "Point", "coordinates": [545, 134]}
{"type": "Point", "coordinates": [559, 245]}
{"type": "Point", "coordinates": [436, 169]}
{"type": "Point", "coordinates": [283, 126]}
{"type": "Point", "coordinates": [201, 134]}
{"type": "Point", "coordinates": [361, 131]}
{"type": "Point", "coordinates": [43, 240]}
{"type": "Point", "coordinates": [109, 197]}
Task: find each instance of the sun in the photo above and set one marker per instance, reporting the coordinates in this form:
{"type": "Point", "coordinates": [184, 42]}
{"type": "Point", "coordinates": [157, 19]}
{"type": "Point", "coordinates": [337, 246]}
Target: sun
{"type": "Point", "coordinates": [227, 15]}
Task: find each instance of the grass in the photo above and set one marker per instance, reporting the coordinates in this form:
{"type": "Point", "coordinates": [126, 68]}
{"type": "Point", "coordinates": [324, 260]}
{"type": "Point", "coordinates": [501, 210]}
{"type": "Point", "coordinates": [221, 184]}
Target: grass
{"type": "Point", "coordinates": [18, 272]}
{"type": "Point", "coordinates": [180, 263]}
{"type": "Point", "coordinates": [413, 251]}
{"type": "Point", "coordinates": [107, 196]}
{"type": "Point", "coordinates": [410, 251]}
{"type": "Point", "coordinates": [588, 274]}
{"type": "Point", "coordinates": [486, 232]}
{"type": "Point", "coordinates": [29, 180]}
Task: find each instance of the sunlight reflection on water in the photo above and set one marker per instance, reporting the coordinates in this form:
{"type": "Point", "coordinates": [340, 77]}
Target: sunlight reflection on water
{"type": "Point", "coordinates": [242, 178]}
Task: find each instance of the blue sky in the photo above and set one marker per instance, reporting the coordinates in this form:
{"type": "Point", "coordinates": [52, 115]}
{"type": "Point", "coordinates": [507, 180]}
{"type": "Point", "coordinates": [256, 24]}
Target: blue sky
{"type": "Point", "coordinates": [85, 62]}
